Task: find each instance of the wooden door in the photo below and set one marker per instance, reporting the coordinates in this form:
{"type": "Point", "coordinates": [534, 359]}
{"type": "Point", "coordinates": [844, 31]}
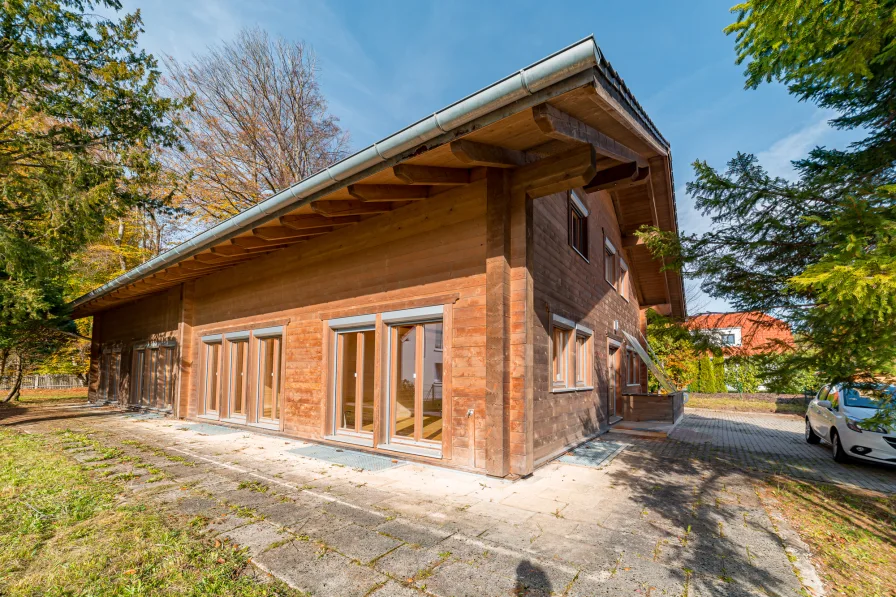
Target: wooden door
{"type": "Point", "coordinates": [614, 385]}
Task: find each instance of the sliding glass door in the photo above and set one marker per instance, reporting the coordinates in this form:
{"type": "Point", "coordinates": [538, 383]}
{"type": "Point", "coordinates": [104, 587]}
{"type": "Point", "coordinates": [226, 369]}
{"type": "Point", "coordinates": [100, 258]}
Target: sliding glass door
{"type": "Point", "coordinates": [355, 375]}
{"type": "Point", "coordinates": [416, 383]}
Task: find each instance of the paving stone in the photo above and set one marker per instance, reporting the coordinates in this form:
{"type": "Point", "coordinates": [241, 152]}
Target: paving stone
{"type": "Point", "coordinates": [356, 515]}
{"type": "Point", "coordinates": [288, 514]}
{"type": "Point", "coordinates": [226, 523]}
{"type": "Point", "coordinates": [459, 579]}
{"type": "Point", "coordinates": [393, 589]}
{"type": "Point", "coordinates": [407, 561]}
{"type": "Point", "coordinates": [255, 537]}
{"type": "Point", "coordinates": [645, 578]}
{"type": "Point", "coordinates": [193, 505]}
{"type": "Point", "coordinates": [301, 565]}
{"type": "Point", "coordinates": [414, 533]}
{"type": "Point", "coordinates": [360, 543]}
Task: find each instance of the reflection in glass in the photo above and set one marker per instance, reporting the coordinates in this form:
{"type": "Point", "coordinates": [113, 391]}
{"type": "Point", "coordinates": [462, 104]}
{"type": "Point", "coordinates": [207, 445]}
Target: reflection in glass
{"type": "Point", "coordinates": [237, 376]}
{"type": "Point", "coordinates": [406, 381]}
{"type": "Point", "coordinates": [211, 377]}
{"type": "Point", "coordinates": [367, 380]}
{"type": "Point", "coordinates": [348, 361]}
{"type": "Point", "coordinates": [432, 382]}
{"type": "Point", "coordinates": [270, 395]}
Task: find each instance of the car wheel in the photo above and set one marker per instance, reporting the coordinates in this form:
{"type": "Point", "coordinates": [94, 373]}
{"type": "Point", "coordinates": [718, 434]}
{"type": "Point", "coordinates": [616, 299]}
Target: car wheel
{"type": "Point", "coordinates": [837, 449]}
{"type": "Point", "coordinates": [811, 436]}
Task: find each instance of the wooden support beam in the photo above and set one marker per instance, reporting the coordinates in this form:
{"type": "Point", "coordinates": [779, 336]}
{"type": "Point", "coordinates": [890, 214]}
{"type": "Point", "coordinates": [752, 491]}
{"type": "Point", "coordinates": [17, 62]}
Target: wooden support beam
{"type": "Point", "coordinates": [564, 171]}
{"type": "Point", "coordinates": [431, 175]}
{"type": "Point", "coordinates": [229, 250]}
{"type": "Point", "coordinates": [480, 154]}
{"type": "Point", "coordinates": [284, 234]}
{"type": "Point", "coordinates": [312, 221]}
{"type": "Point", "coordinates": [219, 259]}
{"type": "Point", "coordinates": [632, 240]}
{"type": "Point", "coordinates": [195, 264]}
{"type": "Point", "coordinates": [559, 125]}
{"type": "Point", "coordinates": [388, 192]}
{"type": "Point", "coordinates": [349, 208]}
{"type": "Point", "coordinates": [618, 177]}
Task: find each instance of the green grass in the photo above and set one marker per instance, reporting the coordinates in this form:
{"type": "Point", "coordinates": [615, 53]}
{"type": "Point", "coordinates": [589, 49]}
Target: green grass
{"type": "Point", "coordinates": [738, 404]}
{"type": "Point", "coordinates": [852, 534]}
{"type": "Point", "coordinates": [65, 530]}
{"type": "Point", "coordinates": [34, 397]}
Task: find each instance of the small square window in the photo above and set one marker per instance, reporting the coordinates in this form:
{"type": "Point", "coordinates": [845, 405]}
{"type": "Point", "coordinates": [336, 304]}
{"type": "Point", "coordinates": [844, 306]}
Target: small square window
{"type": "Point", "coordinates": [578, 225]}
{"type": "Point", "coordinates": [633, 369]}
{"type": "Point", "coordinates": [583, 360]}
{"type": "Point", "coordinates": [560, 357]}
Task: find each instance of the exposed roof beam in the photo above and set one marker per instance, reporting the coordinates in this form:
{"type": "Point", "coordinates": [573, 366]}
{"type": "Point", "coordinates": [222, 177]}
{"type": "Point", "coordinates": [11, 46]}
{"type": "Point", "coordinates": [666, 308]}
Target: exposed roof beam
{"type": "Point", "coordinates": [632, 240]}
{"type": "Point", "coordinates": [431, 175]}
{"type": "Point", "coordinates": [559, 125]}
{"type": "Point", "coordinates": [218, 258]}
{"type": "Point", "coordinates": [284, 234]}
{"type": "Point", "coordinates": [388, 192]}
{"type": "Point", "coordinates": [564, 171]}
{"type": "Point", "coordinates": [253, 243]}
{"type": "Point", "coordinates": [618, 177]}
{"type": "Point", "coordinates": [311, 221]}
{"type": "Point", "coordinates": [349, 208]}
{"type": "Point", "coordinates": [197, 265]}
{"type": "Point", "coordinates": [480, 154]}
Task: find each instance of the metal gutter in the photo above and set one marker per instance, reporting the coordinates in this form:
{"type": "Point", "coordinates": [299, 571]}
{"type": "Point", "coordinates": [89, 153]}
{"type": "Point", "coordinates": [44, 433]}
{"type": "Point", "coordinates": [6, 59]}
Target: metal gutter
{"type": "Point", "coordinates": [532, 82]}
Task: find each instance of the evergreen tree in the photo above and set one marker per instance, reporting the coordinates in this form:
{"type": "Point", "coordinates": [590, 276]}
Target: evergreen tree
{"type": "Point", "coordinates": [819, 251]}
{"type": "Point", "coordinates": [718, 374]}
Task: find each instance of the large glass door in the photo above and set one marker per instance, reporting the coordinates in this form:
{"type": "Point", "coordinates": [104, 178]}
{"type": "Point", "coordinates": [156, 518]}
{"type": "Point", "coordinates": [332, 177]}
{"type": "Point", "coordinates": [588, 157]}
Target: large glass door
{"type": "Point", "coordinates": [355, 375]}
{"type": "Point", "coordinates": [237, 377]}
{"type": "Point", "coordinates": [416, 384]}
{"type": "Point", "coordinates": [268, 406]}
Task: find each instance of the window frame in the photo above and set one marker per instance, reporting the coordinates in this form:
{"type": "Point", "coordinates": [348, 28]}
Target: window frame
{"type": "Point", "coordinates": [632, 368]}
{"type": "Point", "coordinates": [611, 254]}
{"type": "Point", "coordinates": [584, 360]}
{"type": "Point", "coordinates": [336, 398]}
{"type": "Point", "coordinates": [576, 209]}
{"type": "Point", "coordinates": [207, 344]}
{"type": "Point", "coordinates": [260, 336]}
{"type": "Point", "coordinates": [625, 281]}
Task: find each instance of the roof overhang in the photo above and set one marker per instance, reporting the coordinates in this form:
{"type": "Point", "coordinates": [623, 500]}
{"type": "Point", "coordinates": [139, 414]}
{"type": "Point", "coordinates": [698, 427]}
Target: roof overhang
{"type": "Point", "coordinates": [565, 101]}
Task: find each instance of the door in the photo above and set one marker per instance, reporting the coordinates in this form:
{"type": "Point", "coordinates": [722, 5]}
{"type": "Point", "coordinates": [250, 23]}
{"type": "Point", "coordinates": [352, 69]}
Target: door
{"type": "Point", "coordinates": [268, 397]}
{"type": "Point", "coordinates": [416, 384]}
{"type": "Point", "coordinates": [614, 388]}
{"type": "Point", "coordinates": [355, 375]}
{"type": "Point", "coordinates": [237, 378]}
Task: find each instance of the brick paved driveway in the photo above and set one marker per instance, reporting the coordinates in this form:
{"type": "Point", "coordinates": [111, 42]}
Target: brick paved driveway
{"type": "Point", "coordinates": [766, 443]}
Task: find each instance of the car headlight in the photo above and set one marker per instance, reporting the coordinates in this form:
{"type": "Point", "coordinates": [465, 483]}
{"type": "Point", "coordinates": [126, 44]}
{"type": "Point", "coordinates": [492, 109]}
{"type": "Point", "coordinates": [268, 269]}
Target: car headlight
{"type": "Point", "coordinates": [860, 426]}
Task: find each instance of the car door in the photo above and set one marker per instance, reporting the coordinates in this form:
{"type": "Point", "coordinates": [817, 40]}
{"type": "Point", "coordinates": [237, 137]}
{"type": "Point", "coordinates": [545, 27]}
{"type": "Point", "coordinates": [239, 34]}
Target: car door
{"type": "Point", "coordinates": [818, 415]}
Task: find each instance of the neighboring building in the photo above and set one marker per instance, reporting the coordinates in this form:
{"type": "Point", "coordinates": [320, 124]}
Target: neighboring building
{"type": "Point", "coordinates": [455, 293]}
{"type": "Point", "coordinates": [745, 333]}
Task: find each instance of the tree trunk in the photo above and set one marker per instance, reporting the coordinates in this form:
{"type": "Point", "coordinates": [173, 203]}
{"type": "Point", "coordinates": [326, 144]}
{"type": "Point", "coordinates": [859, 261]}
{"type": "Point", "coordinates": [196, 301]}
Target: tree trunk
{"type": "Point", "coordinates": [4, 358]}
{"type": "Point", "coordinates": [17, 386]}
{"type": "Point", "coordinates": [118, 241]}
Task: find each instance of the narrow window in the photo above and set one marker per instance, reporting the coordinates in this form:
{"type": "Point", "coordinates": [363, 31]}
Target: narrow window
{"type": "Point", "coordinates": [168, 353]}
{"type": "Point", "coordinates": [633, 368]}
{"type": "Point", "coordinates": [236, 378]}
{"type": "Point", "coordinates": [417, 360]}
{"type": "Point", "coordinates": [561, 357]}
{"type": "Point", "coordinates": [624, 280]}
{"type": "Point", "coordinates": [212, 366]}
{"type": "Point", "coordinates": [269, 379]}
{"type": "Point", "coordinates": [610, 263]}
{"type": "Point", "coordinates": [578, 225]}
{"type": "Point", "coordinates": [114, 367]}
{"type": "Point", "coordinates": [583, 359]}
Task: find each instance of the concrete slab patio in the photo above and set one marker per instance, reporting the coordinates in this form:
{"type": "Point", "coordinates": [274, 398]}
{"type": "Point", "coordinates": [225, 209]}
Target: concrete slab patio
{"type": "Point", "coordinates": [672, 517]}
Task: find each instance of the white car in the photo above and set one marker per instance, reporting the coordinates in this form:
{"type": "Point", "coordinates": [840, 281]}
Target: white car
{"type": "Point", "coordinates": [836, 416]}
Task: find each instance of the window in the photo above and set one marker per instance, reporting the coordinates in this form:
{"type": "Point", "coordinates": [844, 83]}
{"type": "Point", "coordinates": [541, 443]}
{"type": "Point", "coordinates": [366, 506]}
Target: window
{"type": "Point", "coordinates": [561, 357]}
{"type": "Point", "coordinates": [416, 383]}
{"type": "Point", "coordinates": [728, 339]}
{"type": "Point", "coordinates": [355, 374]}
{"type": "Point", "coordinates": [583, 358]}
{"type": "Point", "coordinates": [268, 378]}
{"type": "Point", "coordinates": [610, 263]}
{"type": "Point", "coordinates": [632, 368]}
{"type": "Point", "coordinates": [578, 224]}
{"type": "Point", "coordinates": [210, 384]}
{"type": "Point", "coordinates": [237, 376]}
{"type": "Point", "coordinates": [624, 280]}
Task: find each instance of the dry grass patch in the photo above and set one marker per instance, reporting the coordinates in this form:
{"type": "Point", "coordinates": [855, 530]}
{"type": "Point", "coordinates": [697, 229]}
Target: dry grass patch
{"type": "Point", "coordinates": [852, 534]}
{"type": "Point", "coordinates": [35, 397]}
{"type": "Point", "coordinates": [736, 403]}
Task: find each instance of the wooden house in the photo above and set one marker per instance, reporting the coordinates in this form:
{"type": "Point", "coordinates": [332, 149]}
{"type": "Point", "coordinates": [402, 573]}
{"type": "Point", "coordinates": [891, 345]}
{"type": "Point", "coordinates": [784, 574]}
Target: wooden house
{"type": "Point", "coordinates": [455, 293]}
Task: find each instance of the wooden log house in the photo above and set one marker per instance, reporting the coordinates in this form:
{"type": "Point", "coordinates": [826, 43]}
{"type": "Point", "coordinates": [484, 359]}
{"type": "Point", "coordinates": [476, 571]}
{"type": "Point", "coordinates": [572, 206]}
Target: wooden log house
{"type": "Point", "coordinates": [455, 293]}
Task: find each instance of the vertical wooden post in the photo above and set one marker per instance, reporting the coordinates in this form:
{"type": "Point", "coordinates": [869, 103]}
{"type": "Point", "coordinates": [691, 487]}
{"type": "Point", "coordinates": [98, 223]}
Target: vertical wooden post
{"type": "Point", "coordinates": [96, 353]}
{"type": "Point", "coordinates": [185, 352]}
{"type": "Point", "coordinates": [497, 316]}
{"type": "Point", "coordinates": [521, 339]}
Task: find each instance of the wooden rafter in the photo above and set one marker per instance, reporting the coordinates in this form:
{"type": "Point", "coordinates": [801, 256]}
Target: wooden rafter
{"type": "Point", "coordinates": [282, 234]}
{"type": "Point", "coordinates": [564, 171]}
{"type": "Point", "coordinates": [312, 221]}
{"type": "Point", "coordinates": [349, 208]}
{"type": "Point", "coordinates": [480, 154]}
{"type": "Point", "coordinates": [431, 175]}
{"type": "Point", "coordinates": [388, 192]}
{"type": "Point", "coordinates": [559, 125]}
{"type": "Point", "coordinates": [618, 177]}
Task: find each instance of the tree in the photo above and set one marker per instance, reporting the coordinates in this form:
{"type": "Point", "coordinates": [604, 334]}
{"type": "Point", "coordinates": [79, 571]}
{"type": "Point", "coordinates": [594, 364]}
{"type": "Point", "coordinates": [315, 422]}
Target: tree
{"type": "Point", "coordinates": [819, 251]}
{"type": "Point", "coordinates": [80, 122]}
{"type": "Point", "coordinates": [259, 123]}
{"type": "Point", "coordinates": [673, 346]}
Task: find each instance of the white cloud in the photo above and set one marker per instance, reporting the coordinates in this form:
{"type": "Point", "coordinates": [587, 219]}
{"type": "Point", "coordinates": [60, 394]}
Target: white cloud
{"type": "Point", "coordinates": [777, 158]}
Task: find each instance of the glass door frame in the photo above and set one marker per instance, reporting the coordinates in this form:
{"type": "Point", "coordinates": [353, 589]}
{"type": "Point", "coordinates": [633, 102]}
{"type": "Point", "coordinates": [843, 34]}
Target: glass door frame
{"type": "Point", "coordinates": [391, 440]}
{"type": "Point", "coordinates": [206, 343]}
{"type": "Point", "coordinates": [259, 336]}
{"type": "Point", "coordinates": [232, 347]}
{"type": "Point", "coordinates": [353, 436]}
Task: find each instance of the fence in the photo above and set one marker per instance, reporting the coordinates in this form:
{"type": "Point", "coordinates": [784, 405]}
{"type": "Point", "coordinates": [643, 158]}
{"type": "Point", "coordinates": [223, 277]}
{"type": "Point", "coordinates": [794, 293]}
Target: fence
{"type": "Point", "coordinates": [45, 382]}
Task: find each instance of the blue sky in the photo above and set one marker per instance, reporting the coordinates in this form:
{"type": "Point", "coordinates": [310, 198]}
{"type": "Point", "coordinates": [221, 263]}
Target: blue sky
{"type": "Point", "coordinates": [386, 64]}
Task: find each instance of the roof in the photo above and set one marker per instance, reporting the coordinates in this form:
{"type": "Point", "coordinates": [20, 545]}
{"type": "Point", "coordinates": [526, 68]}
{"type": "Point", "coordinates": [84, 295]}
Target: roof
{"type": "Point", "coordinates": [580, 65]}
{"type": "Point", "coordinates": [760, 332]}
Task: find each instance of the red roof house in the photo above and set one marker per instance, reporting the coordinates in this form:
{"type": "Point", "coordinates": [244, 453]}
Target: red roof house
{"type": "Point", "coordinates": [745, 333]}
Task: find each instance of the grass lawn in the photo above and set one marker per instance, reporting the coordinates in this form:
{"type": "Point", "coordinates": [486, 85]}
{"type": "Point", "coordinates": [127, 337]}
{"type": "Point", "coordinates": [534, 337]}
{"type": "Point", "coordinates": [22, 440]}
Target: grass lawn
{"type": "Point", "coordinates": [852, 534]}
{"type": "Point", "coordinates": [33, 397]}
{"type": "Point", "coordinates": [65, 529]}
{"type": "Point", "coordinates": [740, 404]}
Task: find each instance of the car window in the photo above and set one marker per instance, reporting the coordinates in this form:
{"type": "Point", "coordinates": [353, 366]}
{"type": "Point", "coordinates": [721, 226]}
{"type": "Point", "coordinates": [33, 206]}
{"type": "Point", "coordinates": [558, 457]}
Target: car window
{"type": "Point", "coordinates": [873, 397]}
{"type": "Point", "coordinates": [823, 394]}
{"type": "Point", "coordinates": [834, 397]}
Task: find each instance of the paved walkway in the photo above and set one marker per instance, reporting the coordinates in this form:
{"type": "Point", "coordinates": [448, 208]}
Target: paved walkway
{"type": "Point", "coordinates": [644, 524]}
{"type": "Point", "coordinates": [766, 443]}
